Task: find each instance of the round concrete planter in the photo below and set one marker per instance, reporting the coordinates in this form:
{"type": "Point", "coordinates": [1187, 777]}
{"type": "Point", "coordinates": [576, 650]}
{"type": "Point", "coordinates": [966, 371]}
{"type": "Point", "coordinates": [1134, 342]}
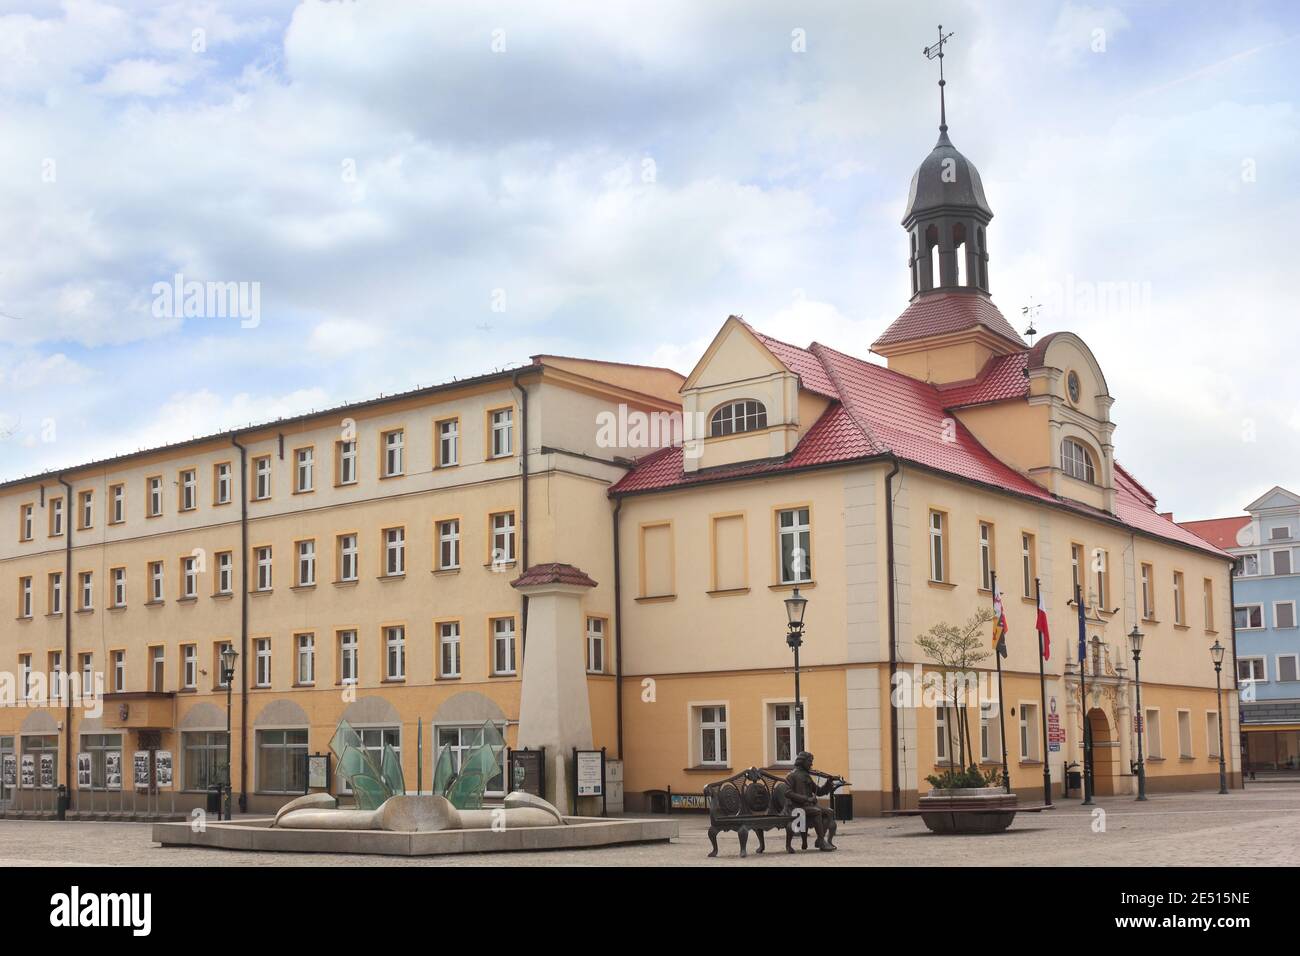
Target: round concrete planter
{"type": "Point", "coordinates": [983, 810]}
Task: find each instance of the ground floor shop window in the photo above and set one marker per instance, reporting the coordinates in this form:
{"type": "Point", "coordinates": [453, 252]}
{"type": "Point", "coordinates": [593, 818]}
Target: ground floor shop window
{"type": "Point", "coordinates": [204, 753]}
{"type": "Point", "coordinates": [1273, 750]}
{"type": "Point", "coordinates": [282, 761]}
{"type": "Point", "coordinates": [372, 742]}
{"type": "Point", "coordinates": [99, 746]}
{"type": "Point", "coordinates": [40, 762]}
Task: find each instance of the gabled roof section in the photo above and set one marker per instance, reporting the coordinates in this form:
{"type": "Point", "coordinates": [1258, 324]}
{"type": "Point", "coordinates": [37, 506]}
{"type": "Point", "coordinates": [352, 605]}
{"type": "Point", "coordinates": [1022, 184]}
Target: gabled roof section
{"type": "Point", "coordinates": [734, 325]}
{"type": "Point", "coordinates": [1275, 497]}
{"type": "Point", "coordinates": [803, 363]}
{"type": "Point", "coordinates": [1220, 532]}
{"type": "Point", "coordinates": [946, 313]}
{"type": "Point", "coordinates": [1002, 378]}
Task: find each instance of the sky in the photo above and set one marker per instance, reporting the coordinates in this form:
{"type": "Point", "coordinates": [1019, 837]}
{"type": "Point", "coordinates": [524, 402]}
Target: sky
{"type": "Point", "coordinates": [407, 192]}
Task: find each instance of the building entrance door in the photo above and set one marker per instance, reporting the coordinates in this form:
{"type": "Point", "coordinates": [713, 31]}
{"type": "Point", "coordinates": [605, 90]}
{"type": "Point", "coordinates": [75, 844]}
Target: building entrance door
{"type": "Point", "coordinates": [1105, 753]}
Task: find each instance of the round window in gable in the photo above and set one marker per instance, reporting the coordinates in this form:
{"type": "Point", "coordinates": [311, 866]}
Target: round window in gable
{"type": "Point", "coordinates": [1072, 386]}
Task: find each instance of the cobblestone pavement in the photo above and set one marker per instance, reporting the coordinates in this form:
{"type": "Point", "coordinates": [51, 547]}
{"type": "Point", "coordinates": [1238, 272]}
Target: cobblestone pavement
{"type": "Point", "coordinates": [1258, 827]}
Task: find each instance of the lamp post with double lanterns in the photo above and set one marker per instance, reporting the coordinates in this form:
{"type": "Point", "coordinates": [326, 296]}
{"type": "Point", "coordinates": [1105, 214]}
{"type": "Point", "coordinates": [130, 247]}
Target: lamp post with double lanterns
{"type": "Point", "coordinates": [795, 605]}
{"type": "Point", "coordinates": [228, 657]}
{"type": "Point", "coordinates": [1216, 655]}
{"type": "Point", "coordinates": [1135, 642]}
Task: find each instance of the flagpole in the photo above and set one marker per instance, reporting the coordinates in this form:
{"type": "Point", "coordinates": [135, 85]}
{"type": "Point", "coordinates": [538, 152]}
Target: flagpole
{"type": "Point", "coordinates": [1083, 700]}
{"type": "Point", "coordinates": [1042, 692]}
{"type": "Point", "coordinates": [997, 656]}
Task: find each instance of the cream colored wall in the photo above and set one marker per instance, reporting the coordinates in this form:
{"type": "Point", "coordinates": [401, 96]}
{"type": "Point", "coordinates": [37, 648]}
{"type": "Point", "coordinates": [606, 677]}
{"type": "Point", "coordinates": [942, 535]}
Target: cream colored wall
{"type": "Point", "coordinates": [1015, 432]}
{"type": "Point", "coordinates": [941, 364]}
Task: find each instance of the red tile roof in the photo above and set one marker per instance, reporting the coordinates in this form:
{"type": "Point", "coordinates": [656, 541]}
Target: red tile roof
{"type": "Point", "coordinates": [1220, 532]}
{"type": "Point", "coordinates": [942, 313]}
{"type": "Point", "coordinates": [879, 412]}
{"type": "Point", "coordinates": [1003, 377]}
{"type": "Point", "coordinates": [553, 574]}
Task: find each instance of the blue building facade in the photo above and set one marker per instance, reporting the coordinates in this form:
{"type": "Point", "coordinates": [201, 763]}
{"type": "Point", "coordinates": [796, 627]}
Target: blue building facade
{"type": "Point", "coordinates": [1266, 594]}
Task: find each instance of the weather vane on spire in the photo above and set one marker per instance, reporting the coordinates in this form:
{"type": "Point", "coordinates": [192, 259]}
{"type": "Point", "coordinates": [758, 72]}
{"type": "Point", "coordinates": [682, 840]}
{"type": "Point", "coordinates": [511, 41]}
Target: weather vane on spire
{"type": "Point", "coordinates": [1029, 311]}
{"type": "Point", "coordinates": [932, 52]}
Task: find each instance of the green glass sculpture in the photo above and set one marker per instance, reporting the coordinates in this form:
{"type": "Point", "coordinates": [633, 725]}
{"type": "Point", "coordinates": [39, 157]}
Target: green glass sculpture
{"type": "Point", "coordinates": [371, 784]}
{"type": "Point", "coordinates": [480, 765]}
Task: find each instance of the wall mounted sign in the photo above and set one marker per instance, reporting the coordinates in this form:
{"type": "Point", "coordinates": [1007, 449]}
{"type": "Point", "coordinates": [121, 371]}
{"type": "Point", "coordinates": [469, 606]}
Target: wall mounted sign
{"type": "Point", "coordinates": [113, 769]}
{"type": "Point", "coordinates": [140, 761]}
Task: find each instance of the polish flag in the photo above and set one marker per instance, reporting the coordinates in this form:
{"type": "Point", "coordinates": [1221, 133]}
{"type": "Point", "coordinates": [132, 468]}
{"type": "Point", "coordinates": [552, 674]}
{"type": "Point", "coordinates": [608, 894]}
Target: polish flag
{"type": "Point", "coordinates": [1042, 628]}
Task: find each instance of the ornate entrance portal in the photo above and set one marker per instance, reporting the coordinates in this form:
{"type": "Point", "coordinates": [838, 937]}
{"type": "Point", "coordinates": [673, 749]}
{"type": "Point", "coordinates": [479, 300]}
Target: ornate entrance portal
{"type": "Point", "coordinates": [1105, 753]}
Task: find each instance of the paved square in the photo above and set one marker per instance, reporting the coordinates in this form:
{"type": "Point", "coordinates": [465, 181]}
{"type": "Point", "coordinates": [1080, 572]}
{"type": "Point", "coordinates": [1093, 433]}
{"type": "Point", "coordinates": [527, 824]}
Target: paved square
{"type": "Point", "coordinates": [1258, 827]}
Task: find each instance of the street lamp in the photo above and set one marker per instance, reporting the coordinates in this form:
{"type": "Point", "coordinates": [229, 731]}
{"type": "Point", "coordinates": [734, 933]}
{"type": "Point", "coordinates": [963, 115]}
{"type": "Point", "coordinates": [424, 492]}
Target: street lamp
{"type": "Point", "coordinates": [228, 656]}
{"type": "Point", "coordinates": [1216, 655]}
{"type": "Point", "coordinates": [795, 605]}
{"type": "Point", "coordinates": [1135, 641]}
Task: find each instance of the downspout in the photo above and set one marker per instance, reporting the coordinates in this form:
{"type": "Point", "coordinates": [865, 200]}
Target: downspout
{"type": "Point", "coordinates": [618, 633]}
{"type": "Point", "coordinates": [1232, 616]}
{"type": "Point", "coordinates": [890, 575]}
{"type": "Point", "coordinates": [68, 632]}
{"type": "Point", "coordinates": [243, 625]}
{"type": "Point", "coordinates": [523, 511]}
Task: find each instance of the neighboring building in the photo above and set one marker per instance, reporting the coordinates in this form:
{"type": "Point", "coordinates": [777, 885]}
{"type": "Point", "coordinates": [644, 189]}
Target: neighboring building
{"type": "Point", "coordinates": [1266, 541]}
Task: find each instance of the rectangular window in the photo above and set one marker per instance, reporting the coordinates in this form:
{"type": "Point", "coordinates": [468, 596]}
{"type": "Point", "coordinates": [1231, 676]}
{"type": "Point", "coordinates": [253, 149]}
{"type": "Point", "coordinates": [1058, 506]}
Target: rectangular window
{"type": "Point", "coordinates": [225, 572]}
{"type": "Point", "coordinates": [1029, 726]}
{"type": "Point", "coordinates": [1282, 562]}
{"type": "Point", "coordinates": [219, 665]}
{"type": "Point", "coordinates": [25, 597]}
{"type": "Point", "coordinates": [373, 741]}
{"type": "Point", "coordinates": [304, 470]}
{"type": "Point", "coordinates": [595, 645]}
{"type": "Point", "coordinates": [448, 442]}
{"type": "Point", "coordinates": [395, 653]}
{"type": "Point", "coordinates": [25, 522]}
{"type": "Point", "coordinates": [394, 552]}
{"type": "Point", "coordinates": [1180, 605]}
{"type": "Point", "coordinates": [306, 564]}
{"type": "Point", "coordinates": [189, 578]}
{"type": "Point", "coordinates": [449, 544]}
{"type": "Point", "coordinates": [189, 489]}
{"type": "Point", "coordinates": [941, 734]}
{"type": "Point", "coordinates": [1249, 565]}
{"type": "Point", "coordinates": [990, 732]}
{"type": "Point", "coordinates": [306, 644]}
{"type": "Point", "coordinates": [1248, 617]}
{"type": "Point", "coordinates": [938, 547]}
{"type": "Point", "coordinates": [1251, 669]}
{"type": "Point", "coordinates": [1076, 571]}
{"type": "Point", "coordinates": [87, 509]}
{"type": "Point", "coordinates": [730, 546]}
{"type": "Point", "coordinates": [794, 545]}
{"type": "Point", "coordinates": [1207, 602]}
{"type": "Point", "coordinates": [1286, 668]}
{"type": "Point", "coordinates": [503, 538]}
{"type": "Point", "coordinates": [713, 735]}
{"type": "Point", "coordinates": [986, 556]}
{"type": "Point", "coordinates": [262, 560]}
{"type": "Point", "coordinates": [1184, 733]}
{"type": "Point", "coordinates": [189, 666]}
{"type": "Point", "coordinates": [262, 478]}
{"type": "Point", "coordinates": [347, 462]}
{"type": "Point", "coordinates": [99, 746]}
{"type": "Point", "coordinates": [56, 675]}
{"type": "Point", "coordinates": [459, 741]}
{"type": "Point", "coordinates": [347, 657]}
{"type": "Point", "coordinates": [1148, 594]}
{"type": "Point", "coordinates": [782, 721]}
{"type": "Point", "coordinates": [25, 666]}
{"type": "Point", "coordinates": [119, 587]}
{"type": "Point", "coordinates": [1155, 747]}
{"type": "Point", "coordinates": [449, 649]}
{"type": "Point", "coordinates": [117, 499]}
{"type": "Point", "coordinates": [56, 517]}
{"type": "Point", "coordinates": [1101, 572]}
{"type": "Point", "coordinates": [86, 588]}
{"type": "Point", "coordinates": [56, 593]}
{"type": "Point", "coordinates": [503, 645]}
{"type": "Point", "coordinates": [221, 483]}
{"type": "Point", "coordinates": [204, 754]}
{"type": "Point", "coordinates": [1212, 734]}
{"type": "Point", "coordinates": [282, 761]}
{"type": "Point", "coordinates": [155, 496]}
{"type": "Point", "coordinates": [394, 444]}
{"type": "Point", "coordinates": [1284, 614]}
{"type": "Point", "coordinates": [502, 432]}
{"type": "Point", "coordinates": [347, 548]}
{"type": "Point", "coordinates": [157, 669]}
{"type": "Point", "coordinates": [155, 582]}
{"type": "Point", "coordinates": [119, 671]}
{"type": "Point", "coordinates": [262, 649]}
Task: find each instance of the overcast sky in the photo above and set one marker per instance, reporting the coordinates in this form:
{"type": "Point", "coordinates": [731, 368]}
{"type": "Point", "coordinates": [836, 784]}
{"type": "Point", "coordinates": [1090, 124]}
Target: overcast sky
{"type": "Point", "coordinates": [426, 190]}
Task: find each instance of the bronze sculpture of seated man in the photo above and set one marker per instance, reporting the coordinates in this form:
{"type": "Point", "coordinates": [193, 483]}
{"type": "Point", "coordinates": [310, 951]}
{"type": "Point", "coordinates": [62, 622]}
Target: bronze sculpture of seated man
{"type": "Point", "coordinates": [802, 795]}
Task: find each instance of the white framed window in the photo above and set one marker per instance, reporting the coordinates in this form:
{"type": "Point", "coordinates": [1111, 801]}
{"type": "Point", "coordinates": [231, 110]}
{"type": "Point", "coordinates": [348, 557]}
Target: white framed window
{"type": "Point", "coordinates": [281, 761]}
{"type": "Point", "coordinates": [732, 418]}
{"type": "Point", "coordinates": [347, 557]}
{"type": "Point", "coordinates": [394, 444]}
{"type": "Point", "coordinates": [1154, 739]}
{"type": "Point", "coordinates": [221, 481]}
{"type": "Point", "coordinates": [158, 668]}
{"type": "Point", "coordinates": [713, 734]}
{"type": "Point", "coordinates": [263, 561]}
{"type": "Point", "coordinates": [503, 537]}
{"type": "Point", "coordinates": [25, 522]}
{"type": "Point", "coordinates": [119, 671]}
{"type": "Point", "coordinates": [794, 545]}
{"type": "Point", "coordinates": [347, 657]}
{"type": "Point", "coordinates": [394, 552]}
{"type": "Point", "coordinates": [156, 582]}
{"type": "Point", "coordinates": [1249, 565]}
{"type": "Point", "coordinates": [1282, 562]}
{"type": "Point", "coordinates": [225, 572]}
{"type": "Point", "coordinates": [1251, 669]}
{"type": "Point", "coordinates": [262, 656]}
{"type": "Point", "coordinates": [1284, 614]}
{"type": "Point", "coordinates": [262, 478]}
{"type": "Point", "coordinates": [940, 733]}
{"type": "Point", "coordinates": [460, 740]}
{"type": "Point", "coordinates": [373, 740]}
{"type": "Point", "coordinates": [87, 509]}
{"type": "Point", "coordinates": [1077, 462]}
{"type": "Point", "coordinates": [87, 671]}
{"type": "Point", "coordinates": [347, 457]}
{"type": "Point", "coordinates": [307, 563]}
{"type": "Point", "coordinates": [1029, 724]}
{"type": "Point", "coordinates": [56, 517]}
{"type": "Point", "coordinates": [190, 666]}
{"type": "Point", "coordinates": [937, 549]}
{"type": "Point", "coordinates": [304, 470]}
{"type": "Point", "coordinates": [155, 497]}
{"type": "Point", "coordinates": [86, 586]}
{"type": "Point", "coordinates": [1148, 594]}
{"type": "Point", "coordinates": [1248, 617]}
{"type": "Point", "coordinates": [449, 544]}
{"type": "Point", "coordinates": [395, 652]}
{"type": "Point", "coordinates": [1185, 733]}
{"type": "Point", "coordinates": [990, 732]}
{"type": "Point", "coordinates": [220, 664]}
{"type": "Point", "coordinates": [986, 556]}
{"type": "Point", "coordinates": [1286, 667]}
{"type": "Point", "coordinates": [119, 587]}
{"type": "Point", "coordinates": [1212, 733]}
{"type": "Point", "coordinates": [306, 650]}
{"type": "Point", "coordinates": [781, 718]}
{"type": "Point", "coordinates": [503, 432]}
{"type": "Point", "coordinates": [1279, 533]}
{"type": "Point", "coordinates": [595, 645]}
{"type": "Point", "coordinates": [117, 502]}
{"type": "Point", "coordinates": [25, 597]}
{"type": "Point", "coordinates": [503, 645]}
{"type": "Point", "coordinates": [189, 577]}
{"type": "Point", "coordinates": [449, 649]}
{"type": "Point", "coordinates": [1180, 602]}
{"type": "Point", "coordinates": [25, 667]}
{"type": "Point", "coordinates": [1101, 568]}
{"type": "Point", "coordinates": [1076, 571]}
{"type": "Point", "coordinates": [1027, 562]}
{"type": "Point", "coordinates": [448, 442]}
{"type": "Point", "coordinates": [56, 675]}
{"type": "Point", "coordinates": [56, 593]}
{"type": "Point", "coordinates": [189, 489]}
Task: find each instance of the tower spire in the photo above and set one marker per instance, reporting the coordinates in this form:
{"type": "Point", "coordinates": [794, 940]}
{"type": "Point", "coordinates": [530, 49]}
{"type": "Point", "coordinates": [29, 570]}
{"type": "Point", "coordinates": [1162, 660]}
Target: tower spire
{"type": "Point", "coordinates": [935, 52]}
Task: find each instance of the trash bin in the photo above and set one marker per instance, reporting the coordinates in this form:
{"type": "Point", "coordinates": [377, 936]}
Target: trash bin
{"type": "Point", "coordinates": [63, 801]}
{"type": "Point", "coordinates": [844, 807]}
{"type": "Point", "coordinates": [658, 801]}
{"type": "Point", "coordinates": [1073, 780]}
{"type": "Point", "coordinates": [214, 801]}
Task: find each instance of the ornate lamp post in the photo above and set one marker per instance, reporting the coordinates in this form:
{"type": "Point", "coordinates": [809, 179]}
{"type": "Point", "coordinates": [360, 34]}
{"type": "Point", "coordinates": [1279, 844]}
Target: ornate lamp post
{"type": "Point", "coordinates": [228, 656]}
{"type": "Point", "coordinates": [1135, 641]}
{"type": "Point", "coordinates": [1216, 655]}
{"type": "Point", "coordinates": [795, 605]}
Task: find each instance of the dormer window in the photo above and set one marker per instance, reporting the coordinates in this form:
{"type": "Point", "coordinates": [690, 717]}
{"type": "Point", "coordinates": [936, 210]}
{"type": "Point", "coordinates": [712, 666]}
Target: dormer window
{"type": "Point", "coordinates": [735, 417]}
{"type": "Point", "coordinates": [1077, 462]}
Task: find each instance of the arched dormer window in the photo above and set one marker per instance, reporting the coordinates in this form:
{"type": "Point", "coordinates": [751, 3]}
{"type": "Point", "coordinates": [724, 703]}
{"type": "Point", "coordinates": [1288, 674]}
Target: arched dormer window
{"type": "Point", "coordinates": [743, 416]}
{"type": "Point", "coordinates": [1076, 461]}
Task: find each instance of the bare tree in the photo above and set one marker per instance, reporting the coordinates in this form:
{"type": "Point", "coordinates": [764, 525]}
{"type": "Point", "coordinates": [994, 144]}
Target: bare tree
{"type": "Point", "coordinates": [958, 651]}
